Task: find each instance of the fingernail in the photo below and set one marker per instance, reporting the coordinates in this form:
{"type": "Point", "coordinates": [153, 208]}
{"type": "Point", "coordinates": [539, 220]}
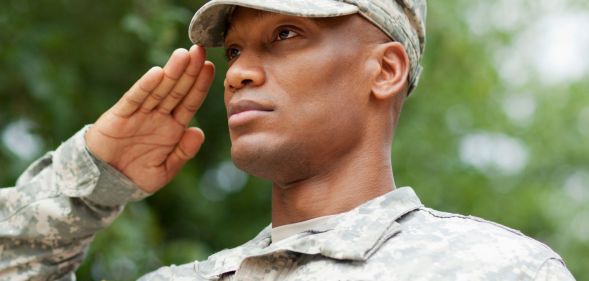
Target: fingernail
{"type": "Point", "coordinates": [180, 50]}
{"type": "Point", "coordinates": [154, 69]}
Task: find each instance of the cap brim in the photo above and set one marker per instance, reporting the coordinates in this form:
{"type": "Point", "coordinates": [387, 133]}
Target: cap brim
{"type": "Point", "coordinates": [209, 23]}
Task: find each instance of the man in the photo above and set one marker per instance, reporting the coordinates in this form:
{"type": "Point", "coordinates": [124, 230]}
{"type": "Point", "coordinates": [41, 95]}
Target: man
{"type": "Point", "coordinates": [313, 94]}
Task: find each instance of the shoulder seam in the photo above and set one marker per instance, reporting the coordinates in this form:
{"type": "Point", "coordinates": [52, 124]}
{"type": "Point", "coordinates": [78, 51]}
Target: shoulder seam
{"type": "Point", "coordinates": [476, 219]}
{"type": "Point", "coordinates": [544, 263]}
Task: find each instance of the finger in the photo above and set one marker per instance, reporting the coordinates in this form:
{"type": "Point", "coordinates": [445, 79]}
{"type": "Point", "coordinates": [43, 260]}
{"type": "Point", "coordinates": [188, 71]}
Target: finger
{"type": "Point", "coordinates": [197, 58]}
{"type": "Point", "coordinates": [137, 94]}
{"type": "Point", "coordinates": [172, 72]}
{"type": "Point", "coordinates": [192, 102]}
{"type": "Point", "coordinates": [186, 149]}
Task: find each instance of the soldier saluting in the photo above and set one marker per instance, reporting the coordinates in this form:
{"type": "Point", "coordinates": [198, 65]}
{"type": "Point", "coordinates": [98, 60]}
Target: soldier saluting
{"type": "Point", "coordinates": [313, 93]}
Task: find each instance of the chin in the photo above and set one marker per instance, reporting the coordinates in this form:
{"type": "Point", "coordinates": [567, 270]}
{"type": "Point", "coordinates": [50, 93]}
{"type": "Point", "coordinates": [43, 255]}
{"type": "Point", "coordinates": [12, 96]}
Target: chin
{"type": "Point", "coordinates": [269, 160]}
{"type": "Point", "coordinates": [252, 159]}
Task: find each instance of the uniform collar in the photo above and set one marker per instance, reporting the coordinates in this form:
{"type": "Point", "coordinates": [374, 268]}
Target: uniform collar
{"type": "Point", "coordinates": [354, 235]}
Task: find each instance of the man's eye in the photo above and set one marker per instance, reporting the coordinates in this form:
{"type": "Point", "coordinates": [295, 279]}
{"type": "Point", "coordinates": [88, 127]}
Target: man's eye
{"type": "Point", "coordinates": [285, 34]}
{"type": "Point", "coordinates": [232, 53]}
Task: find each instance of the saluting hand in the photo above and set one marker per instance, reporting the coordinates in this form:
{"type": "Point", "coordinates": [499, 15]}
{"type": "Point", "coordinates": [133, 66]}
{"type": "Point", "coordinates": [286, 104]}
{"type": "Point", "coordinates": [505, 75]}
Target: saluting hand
{"type": "Point", "coordinates": [145, 135]}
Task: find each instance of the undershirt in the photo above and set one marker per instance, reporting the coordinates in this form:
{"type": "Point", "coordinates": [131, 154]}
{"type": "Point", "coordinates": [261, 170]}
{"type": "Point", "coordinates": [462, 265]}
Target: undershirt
{"type": "Point", "coordinates": [282, 232]}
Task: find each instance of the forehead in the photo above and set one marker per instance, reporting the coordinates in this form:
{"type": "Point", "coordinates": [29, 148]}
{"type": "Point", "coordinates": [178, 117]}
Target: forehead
{"type": "Point", "coordinates": [242, 18]}
{"type": "Point", "coordinates": [257, 14]}
{"type": "Point", "coordinates": [243, 22]}
{"type": "Point", "coordinates": [240, 14]}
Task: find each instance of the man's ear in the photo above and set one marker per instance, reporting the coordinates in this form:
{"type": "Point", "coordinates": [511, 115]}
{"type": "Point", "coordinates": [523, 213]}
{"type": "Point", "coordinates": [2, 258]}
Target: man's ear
{"type": "Point", "coordinates": [392, 78]}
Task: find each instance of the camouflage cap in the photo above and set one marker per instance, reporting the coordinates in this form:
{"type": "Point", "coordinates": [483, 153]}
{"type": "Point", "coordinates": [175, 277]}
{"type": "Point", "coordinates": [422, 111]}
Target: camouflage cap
{"type": "Point", "coordinates": [402, 20]}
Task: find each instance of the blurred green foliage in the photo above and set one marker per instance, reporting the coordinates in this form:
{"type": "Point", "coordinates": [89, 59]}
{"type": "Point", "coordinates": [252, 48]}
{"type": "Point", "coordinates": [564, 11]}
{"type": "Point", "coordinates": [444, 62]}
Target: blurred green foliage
{"type": "Point", "coordinates": [64, 62]}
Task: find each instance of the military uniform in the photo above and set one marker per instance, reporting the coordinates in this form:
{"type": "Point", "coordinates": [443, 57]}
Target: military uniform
{"type": "Point", "coordinates": [48, 220]}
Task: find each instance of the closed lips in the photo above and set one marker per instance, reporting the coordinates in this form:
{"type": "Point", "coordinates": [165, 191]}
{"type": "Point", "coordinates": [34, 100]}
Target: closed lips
{"type": "Point", "coordinates": [247, 105]}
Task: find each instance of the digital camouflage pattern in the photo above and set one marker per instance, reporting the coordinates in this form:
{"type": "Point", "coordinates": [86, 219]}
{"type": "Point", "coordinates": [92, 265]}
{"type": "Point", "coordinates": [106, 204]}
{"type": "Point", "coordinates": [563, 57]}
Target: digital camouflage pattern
{"type": "Point", "coordinates": [48, 220]}
{"type": "Point", "coordinates": [392, 237]}
{"type": "Point", "coordinates": [402, 20]}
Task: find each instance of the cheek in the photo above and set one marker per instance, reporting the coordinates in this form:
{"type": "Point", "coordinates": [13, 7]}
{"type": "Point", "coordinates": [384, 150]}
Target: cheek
{"type": "Point", "coordinates": [325, 80]}
{"type": "Point", "coordinates": [321, 98]}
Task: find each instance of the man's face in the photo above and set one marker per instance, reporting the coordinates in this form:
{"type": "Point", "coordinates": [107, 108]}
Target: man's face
{"type": "Point", "coordinates": [297, 92]}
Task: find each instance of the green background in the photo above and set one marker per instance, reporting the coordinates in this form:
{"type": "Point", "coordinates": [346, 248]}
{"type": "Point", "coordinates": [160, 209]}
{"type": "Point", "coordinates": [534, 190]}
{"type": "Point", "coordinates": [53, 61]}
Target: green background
{"type": "Point", "coordinates": [486, 133]}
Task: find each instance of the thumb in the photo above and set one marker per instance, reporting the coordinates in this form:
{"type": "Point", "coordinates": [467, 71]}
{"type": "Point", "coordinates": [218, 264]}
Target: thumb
{"type": "Point", "coordinates": [186, 149]}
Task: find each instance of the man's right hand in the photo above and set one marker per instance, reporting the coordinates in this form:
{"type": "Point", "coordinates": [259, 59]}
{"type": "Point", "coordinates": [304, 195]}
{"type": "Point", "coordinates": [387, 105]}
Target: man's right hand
{"type": "Point", "coordinates": [145, 135]}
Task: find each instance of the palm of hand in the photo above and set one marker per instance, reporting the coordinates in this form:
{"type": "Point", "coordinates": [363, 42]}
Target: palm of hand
{"type": "Point", "coordinates": [145, 135]}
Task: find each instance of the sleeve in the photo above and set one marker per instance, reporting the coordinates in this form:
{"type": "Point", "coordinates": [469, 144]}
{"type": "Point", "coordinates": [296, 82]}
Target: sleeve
{"type": "Point", "coordinates": [553, 270]}
{"type": "Point", "coordinates": [49, 218]}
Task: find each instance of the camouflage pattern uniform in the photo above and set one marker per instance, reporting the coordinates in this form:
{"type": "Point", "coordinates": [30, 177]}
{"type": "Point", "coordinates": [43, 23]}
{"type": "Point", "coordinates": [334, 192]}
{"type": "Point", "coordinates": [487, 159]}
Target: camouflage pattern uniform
{"type": "Point", "coordinates": [47, 222]}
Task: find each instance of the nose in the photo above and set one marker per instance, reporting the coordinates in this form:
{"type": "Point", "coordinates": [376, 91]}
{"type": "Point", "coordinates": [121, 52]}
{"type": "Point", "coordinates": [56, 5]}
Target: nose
{"type": "Point", "coordinates": [245, 71]}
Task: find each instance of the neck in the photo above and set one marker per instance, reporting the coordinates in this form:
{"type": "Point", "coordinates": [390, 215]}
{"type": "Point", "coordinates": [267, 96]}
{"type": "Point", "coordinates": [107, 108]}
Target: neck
{"type": "Point", "coordinates": [338, 189]}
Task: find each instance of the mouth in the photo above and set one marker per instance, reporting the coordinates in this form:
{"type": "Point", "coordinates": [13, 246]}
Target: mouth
{"type": "Point", "coordinates": [242, 111]}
